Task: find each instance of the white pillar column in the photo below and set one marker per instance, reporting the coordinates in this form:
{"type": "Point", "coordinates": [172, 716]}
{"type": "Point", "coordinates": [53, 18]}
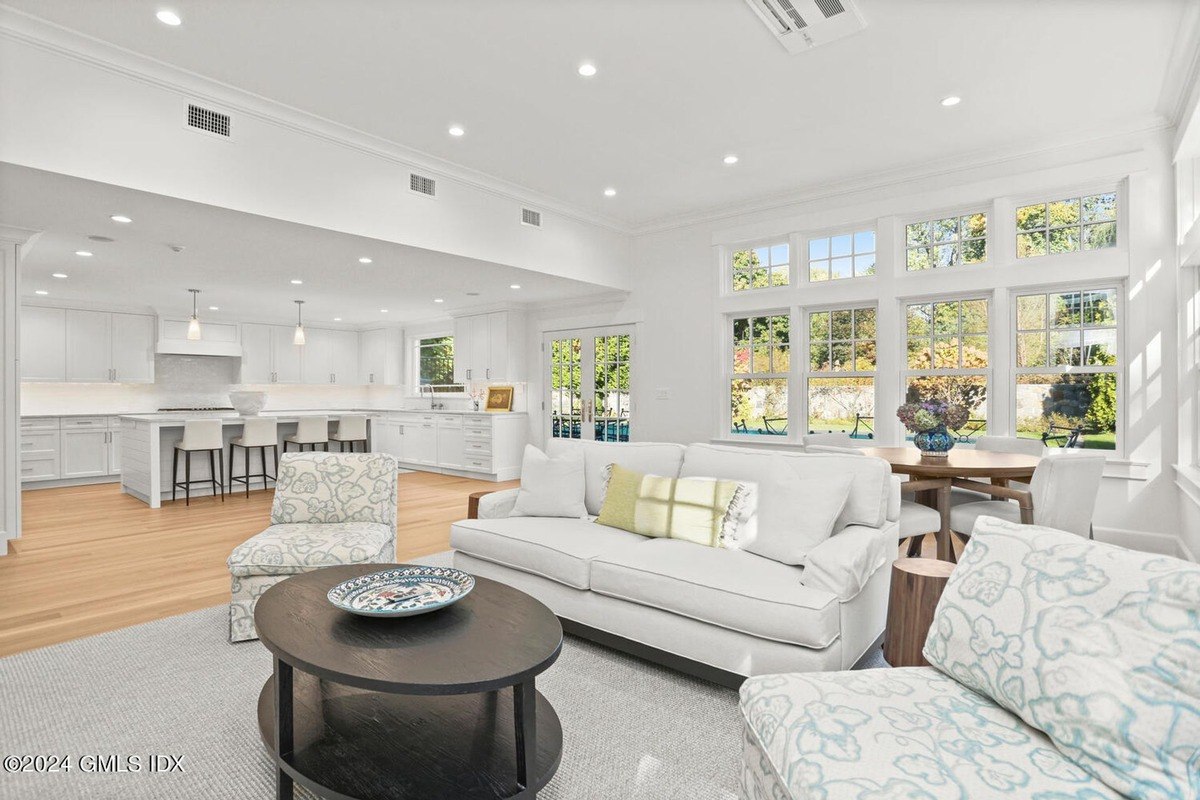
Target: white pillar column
{"type": "Point", "coordinates": [11, 242]}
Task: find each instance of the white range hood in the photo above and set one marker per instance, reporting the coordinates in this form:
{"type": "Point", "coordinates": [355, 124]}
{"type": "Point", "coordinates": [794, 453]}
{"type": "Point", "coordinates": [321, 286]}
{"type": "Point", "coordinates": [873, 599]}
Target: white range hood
{"type": "Point", "coordinates": [216, 339]}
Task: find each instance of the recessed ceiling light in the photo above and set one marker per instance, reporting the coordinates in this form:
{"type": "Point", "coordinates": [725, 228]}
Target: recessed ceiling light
{"type": "Point", "coordinates": [383, 311]}
{"type": "Point", "coordinates": [952, 100]}
{"type": "Point", "coordinates": [296, 281]}
{"type": "Point", "coordinates": [337, 319]}
{"type": "Point", "coordinates": [121, 218]}
{"type": "Point", "coordinates": [514, 286]}
{"type": "Point", "coordinates": [168, 17]}
{"type": "Point", "coordinates": [610, 192]}
{"type": "Point", "coordinates": [364, 260]}
{"type": "Point", "coordinates": [84, 253]}
{"type": "Point", "coordinates": [59, 275]}
{"type": "Point", "coordinates": [730, 159]}
{"type": "Point", "coordinates": [41, 291]}
{"type": "Point", "coordinates": [438, 300]}
{"type": "Point", "coordinates": [214, 308]}
{"type": "Point", "coordinates": [587, 69]}
{"type": "Point", "coordinates": [456, 130]}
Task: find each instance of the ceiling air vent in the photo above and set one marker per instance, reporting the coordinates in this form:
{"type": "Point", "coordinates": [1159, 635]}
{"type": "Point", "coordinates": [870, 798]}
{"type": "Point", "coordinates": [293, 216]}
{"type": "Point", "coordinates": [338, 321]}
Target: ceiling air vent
{"type": "Point", "coordinates": [531, 217]}
{"type": "Point", "coordinates": [422, 185]}
{"type": "Point", "coordinates": [801, 25]}
{"type": "Point", "coordinates": [207, 120]}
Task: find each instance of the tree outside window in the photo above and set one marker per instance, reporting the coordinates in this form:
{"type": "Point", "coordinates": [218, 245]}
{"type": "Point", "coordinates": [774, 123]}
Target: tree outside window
{"type": "Point", "coordinates": [435, 359]}
{"type": "Point", "coordinates": [761, 361]}
{"type": "Point", "coordinates": [841, 371]}
{"type": "Point", "coordinates": [947, 358]}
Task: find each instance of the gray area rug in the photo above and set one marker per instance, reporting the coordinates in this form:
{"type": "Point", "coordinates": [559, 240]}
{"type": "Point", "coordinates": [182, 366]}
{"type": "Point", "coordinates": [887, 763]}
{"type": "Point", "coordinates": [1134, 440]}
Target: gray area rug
{"type": "Point", "coordinates": [176, 686]}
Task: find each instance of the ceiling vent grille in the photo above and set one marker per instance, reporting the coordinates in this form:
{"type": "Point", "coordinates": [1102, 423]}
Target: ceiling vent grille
{"type": "Point", "coordinates": [422, 185]}
{"type": "Point", "coordinates": [531, 217]}
{"type": "Point", "coordinates": [801, 25]}
{"type": "Point", "coordinates": [207, 120]}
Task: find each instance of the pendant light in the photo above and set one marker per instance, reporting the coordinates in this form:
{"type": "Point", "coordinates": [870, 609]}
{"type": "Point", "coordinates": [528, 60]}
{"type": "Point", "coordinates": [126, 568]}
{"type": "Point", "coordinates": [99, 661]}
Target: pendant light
{"type": "Point", "coordinates": [298, 338]}
{"type": "Point", "coordinates": [193, 333]}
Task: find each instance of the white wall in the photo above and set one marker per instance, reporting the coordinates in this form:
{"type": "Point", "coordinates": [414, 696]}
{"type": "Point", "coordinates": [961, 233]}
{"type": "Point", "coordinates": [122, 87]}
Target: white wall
{"type": "Point", "coordinates": [676, 304]}
{"type": "Point", "coordinates": [80, 107]}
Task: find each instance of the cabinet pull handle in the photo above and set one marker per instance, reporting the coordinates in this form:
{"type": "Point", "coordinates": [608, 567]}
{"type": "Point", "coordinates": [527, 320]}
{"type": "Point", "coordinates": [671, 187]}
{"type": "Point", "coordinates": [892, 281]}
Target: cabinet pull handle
{"type": "Point", "coordinates": [489, 373]}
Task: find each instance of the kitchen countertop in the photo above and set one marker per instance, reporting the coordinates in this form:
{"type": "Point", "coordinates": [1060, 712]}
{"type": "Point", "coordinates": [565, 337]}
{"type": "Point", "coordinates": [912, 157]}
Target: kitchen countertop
{"type": "Point", "coordinates": [233, 418]}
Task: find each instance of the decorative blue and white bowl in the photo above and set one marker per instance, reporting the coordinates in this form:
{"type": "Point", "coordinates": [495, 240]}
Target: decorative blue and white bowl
{"type": "Point", "coordinates": [402, 592]}
{"type": "Point", "coordinates": [934, 443]}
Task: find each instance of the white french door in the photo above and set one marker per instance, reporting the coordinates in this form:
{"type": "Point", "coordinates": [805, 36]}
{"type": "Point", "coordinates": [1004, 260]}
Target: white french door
{"type": "Point", "coordinates": [588, 383]}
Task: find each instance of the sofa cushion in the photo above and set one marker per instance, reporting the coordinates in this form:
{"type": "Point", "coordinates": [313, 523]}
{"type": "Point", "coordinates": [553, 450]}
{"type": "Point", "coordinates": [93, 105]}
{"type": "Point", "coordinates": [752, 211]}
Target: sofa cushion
{"type": "Point", "coordinates": [730, 588]}
{"type": "Point", "coordinates": [899, 733]}
{"type": "Point", "coordinates": [302, 547]}
{"type": "Point", "coordinates": [335, 487]}
{"type": "Point", "coordinates": [551, 486]}
{"type": "Point", "coordinates": [1096, 645]}
{"type": "Point", "coordinates": [653, 457]}
{"type": "Point", "coordinates": [558, 549]}
{"type": "Point", "coordinates": [697, 510]}
{"type": "Point", "coordinates": [867, 503]}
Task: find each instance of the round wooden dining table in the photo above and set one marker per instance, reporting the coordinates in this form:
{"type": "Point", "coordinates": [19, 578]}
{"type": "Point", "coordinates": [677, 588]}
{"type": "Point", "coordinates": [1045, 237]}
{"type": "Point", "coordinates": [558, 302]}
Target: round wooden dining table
{"type": "Point", "coordinates": [931, 477]}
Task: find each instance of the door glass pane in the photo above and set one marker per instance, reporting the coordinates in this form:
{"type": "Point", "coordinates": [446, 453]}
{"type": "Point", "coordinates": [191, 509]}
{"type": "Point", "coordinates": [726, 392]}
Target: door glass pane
{"type": "Point", "coordinates": [610, 416]}
{"type": "Point", "coordinates": [566, 391]}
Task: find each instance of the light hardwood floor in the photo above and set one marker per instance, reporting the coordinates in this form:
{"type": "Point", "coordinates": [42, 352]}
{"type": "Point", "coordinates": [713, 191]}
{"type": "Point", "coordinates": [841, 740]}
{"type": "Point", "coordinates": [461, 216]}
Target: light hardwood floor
{"type": "Point", "coordinates": [119, 562]}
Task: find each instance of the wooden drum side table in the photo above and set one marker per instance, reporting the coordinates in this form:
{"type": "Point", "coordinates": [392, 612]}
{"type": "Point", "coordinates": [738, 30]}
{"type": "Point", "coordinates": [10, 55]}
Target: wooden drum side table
{"type": "Point", "coordinates": [917, 585]}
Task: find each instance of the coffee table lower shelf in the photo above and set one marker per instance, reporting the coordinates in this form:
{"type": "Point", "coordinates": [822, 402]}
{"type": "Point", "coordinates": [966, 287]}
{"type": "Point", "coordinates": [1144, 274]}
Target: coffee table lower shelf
{"type": "Point", "coordinates": [354, 744]}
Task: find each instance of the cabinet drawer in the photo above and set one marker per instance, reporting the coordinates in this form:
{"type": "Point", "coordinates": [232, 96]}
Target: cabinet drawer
{"type": "Point", "coordinates": [39, 423]}
{"type": "Point", "coordinates": [473, 463]}
{"type": "Point", "coordinates": [40, 469]}
{"type": "Point", "coordinates": [477, 447]}
{"type": "Point", "coordinates": [473, 432]}
{"type": "Point", "coordinates": [114, 423]}
{"type": "Point", "coordinates": [450, 421]}
{"type": "Point", "coordinates": [76, 423]}
{"type": "Point", "coordinates": [477, 421]}
{"type": "Point", "coordinates": [39, 444]}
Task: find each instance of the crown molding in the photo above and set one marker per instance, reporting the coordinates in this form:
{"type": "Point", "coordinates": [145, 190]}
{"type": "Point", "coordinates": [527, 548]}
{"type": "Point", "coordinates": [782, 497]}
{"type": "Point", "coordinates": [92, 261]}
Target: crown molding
{"type": "Point", "coordinates": [58, 40]}
{"type": "Point", "coordinates": [955, 165]}
{"type": "Point", "coordinates": [1183, 68]}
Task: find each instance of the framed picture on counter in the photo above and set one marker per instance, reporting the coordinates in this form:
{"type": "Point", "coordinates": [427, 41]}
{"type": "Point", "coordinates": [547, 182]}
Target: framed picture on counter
{"type": "Point", "coordinates": [499, 398]}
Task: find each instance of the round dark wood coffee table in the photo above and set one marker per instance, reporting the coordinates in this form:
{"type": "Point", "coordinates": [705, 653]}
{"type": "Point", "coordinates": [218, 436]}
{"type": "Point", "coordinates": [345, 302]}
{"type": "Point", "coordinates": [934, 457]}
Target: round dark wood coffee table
{"type": "Point", "coordinates": [440, 705]}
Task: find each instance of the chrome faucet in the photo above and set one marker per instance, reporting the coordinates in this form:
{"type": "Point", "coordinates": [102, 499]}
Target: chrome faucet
{"type": "Point", "coordinates": [432, 405]}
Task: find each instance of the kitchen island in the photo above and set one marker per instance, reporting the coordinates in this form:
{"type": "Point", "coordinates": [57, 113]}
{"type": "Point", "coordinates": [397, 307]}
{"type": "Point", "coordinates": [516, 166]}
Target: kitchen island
{"type": "Point", "coordinates": [148, 445]}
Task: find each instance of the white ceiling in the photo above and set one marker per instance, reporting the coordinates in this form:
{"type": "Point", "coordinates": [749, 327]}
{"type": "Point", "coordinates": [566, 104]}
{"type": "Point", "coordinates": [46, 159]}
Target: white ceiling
{"type": "Point", "coordinates": [680, 83]}
{"type": "Point", "coordinates": [242, 263]}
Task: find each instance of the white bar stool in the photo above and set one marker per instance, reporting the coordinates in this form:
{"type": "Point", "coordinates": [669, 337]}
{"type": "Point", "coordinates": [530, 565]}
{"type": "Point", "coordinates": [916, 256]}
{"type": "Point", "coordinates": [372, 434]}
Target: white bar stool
{"type": "Point", "coordinates": [351, 429]}
{"type": "Point", "coordinates": [310, 431]}
{"type": "Point", "coordinates": [199, 435]}
{"type": "Point", "coordinates": [260, 432]}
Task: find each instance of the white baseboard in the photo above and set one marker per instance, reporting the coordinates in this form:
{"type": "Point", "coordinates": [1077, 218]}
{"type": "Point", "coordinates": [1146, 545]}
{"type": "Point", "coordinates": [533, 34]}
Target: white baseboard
{"type": "Point", "coordinates": [1145, 541]}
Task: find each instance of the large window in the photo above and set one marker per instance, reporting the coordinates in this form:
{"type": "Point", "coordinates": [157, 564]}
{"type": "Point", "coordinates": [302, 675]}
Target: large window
{"type": "Point", "coordinates": [761, 361]}
{"type": "Point", "coordinates": [841, 371]}
{"type": "Point", "coordinates": [947, 242]}
{"type": "Point", "coordinates": [1066, 367]}
{"type": "Point", "coordinates": [1066, 226]}
{"type": "Point", "coordinates": [947, 358]}
{"type": "Point", "coordinates": [761, 267]}
{"type": "Point", "coordinates": [847, 255]}
{"type": "Point", "coordinates": [435, 362]}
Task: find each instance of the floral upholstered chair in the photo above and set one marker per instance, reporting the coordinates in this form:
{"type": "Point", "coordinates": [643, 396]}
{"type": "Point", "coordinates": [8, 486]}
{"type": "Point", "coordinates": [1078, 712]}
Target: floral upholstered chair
{"type": "Point", "coordinates": [1063, 669]}
{"type": "Point", "coordinates": [329, 509]}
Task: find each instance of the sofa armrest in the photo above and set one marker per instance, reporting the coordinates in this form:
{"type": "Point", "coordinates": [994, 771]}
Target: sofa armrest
{"type": "Point", "coordinates": [895, 495]}
{"type": "Point", "coordinates": [843, 563]}
{"type": "Point", "coordinates": [491, 505]}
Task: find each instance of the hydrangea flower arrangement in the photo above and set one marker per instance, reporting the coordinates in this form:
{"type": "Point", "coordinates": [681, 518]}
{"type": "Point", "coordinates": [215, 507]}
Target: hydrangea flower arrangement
{"type": "Point", "coordinates": [932, 414]}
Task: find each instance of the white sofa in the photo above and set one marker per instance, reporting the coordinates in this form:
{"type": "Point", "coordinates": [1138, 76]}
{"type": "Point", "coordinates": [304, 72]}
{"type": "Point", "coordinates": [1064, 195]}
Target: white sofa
{"type": "Point", "coordinates": [718, 613]}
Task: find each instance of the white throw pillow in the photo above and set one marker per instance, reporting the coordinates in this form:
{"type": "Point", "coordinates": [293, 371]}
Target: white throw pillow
{"type": "Point", "coordinates": [551, 487]}
{"type": "Point", "coordinates": [805, 512]}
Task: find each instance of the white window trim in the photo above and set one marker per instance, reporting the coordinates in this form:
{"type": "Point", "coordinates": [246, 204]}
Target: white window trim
{"type": "Point", "coordinates": [727, 376]}
{"type": "Point", "coordinates": [1121, 370]}
{"type": "Point", "coordinates": [727, 270]}
{"type": "Point", "coordinates": [803, 266]}
{"type": "Point", "coordinates": [987, 207]}
{"type": "Point", "coordinates": [414, 350]}
{"type": "Point", "coordinates": [988, 372]}
{"type": "Point", "coordinates": [1020, 201]}
{"type": "Point", "coordinates": [807, 373]}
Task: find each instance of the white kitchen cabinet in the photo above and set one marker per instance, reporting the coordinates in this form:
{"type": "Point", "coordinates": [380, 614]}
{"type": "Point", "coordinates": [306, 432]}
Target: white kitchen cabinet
{"type": "Point", "coordinates": [489, 347]}
{"type": "Point", "coordinates": [269, 356]}
{"type": "Point", "coordinates": [387, 436]}
{"type": "Point", "coordinates": [450, 442]}
{"type": "Point", "coordinates": [39, 449]}
{"type": "Point", "coordinates": [382, 355]}
{"type": "Point", "coordinates": [330, 356]}
{"type": "Point", "coordinates": [86, 346]}
{"type": "Point", "coordinates": [43, 344]}
{"type": "Point", "coordinates": [421, 443]}
{"type": "Point", "coordinates": [114, 449]}
{"type": "Point", "coordinates": [132, 348]}
{"type": "Point", "coordinates": [84, 452]}
{"type": "Point", "coordinates": [89, 346]}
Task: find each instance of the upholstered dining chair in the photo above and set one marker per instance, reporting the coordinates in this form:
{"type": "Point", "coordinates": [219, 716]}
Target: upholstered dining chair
{"type": "Point", "coordinates": [1062, 495]}
{"type": "Point", "coordinates": [1000, 444]}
